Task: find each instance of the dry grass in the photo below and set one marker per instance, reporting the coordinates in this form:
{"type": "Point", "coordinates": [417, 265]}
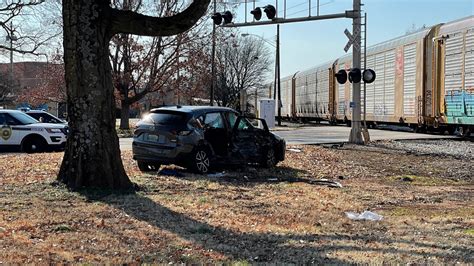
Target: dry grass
{"type": "Point", "coordinates": [250, 215]}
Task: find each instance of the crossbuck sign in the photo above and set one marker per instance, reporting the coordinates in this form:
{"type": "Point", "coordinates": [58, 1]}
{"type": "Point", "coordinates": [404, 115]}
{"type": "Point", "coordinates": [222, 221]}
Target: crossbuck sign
{"type": "Point", "coordinates": [351, 40]}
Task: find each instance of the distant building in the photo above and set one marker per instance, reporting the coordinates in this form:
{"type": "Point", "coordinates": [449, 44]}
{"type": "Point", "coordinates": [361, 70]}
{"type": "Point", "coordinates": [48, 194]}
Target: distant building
{"type": "Point", "coordinates": [25, 75]}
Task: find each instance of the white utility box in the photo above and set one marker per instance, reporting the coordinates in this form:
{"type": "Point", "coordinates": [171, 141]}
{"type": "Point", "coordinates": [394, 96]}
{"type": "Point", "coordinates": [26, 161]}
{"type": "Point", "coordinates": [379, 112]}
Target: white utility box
{"type": "Point", "coordinates": [266, 110]}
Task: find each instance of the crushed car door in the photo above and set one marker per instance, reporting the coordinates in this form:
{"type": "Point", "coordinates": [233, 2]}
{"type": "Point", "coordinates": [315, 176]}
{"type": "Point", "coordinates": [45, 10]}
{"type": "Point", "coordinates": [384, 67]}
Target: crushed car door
{"type": "Point", "coordinates": [215, 133]}
{"type": "Point", "coordinates": [248, 141]}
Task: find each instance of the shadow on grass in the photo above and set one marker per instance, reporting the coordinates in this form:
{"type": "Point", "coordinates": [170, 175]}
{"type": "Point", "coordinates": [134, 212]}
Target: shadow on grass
{"type": "Point", "coordinates": [270, 247]}
{"type": "Point", "coordinates": [251, 176]}
{"type": "Point", "coordinates": [248, 176]}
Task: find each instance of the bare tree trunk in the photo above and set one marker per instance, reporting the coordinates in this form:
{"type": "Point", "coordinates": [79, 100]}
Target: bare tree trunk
{"type": "Point", "coordinates": [92, 157]}
{"type": "Point", "coordinates": [124, 115]}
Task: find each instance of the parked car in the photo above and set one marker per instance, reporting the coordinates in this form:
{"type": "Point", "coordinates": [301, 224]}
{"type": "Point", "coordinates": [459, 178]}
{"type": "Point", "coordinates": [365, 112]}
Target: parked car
{"type": "Point", "coordinates": [45, 117]}
{"type": "Point", "coordinates": [19, 131]}
{"type": "Point", "coordinates": [201, 137]}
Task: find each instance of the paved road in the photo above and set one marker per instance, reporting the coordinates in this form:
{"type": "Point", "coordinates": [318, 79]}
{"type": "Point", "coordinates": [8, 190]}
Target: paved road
{"type": "Point", "coordinates": [339, 134]}
{"type": "Point", "coordinates": [326, 134]}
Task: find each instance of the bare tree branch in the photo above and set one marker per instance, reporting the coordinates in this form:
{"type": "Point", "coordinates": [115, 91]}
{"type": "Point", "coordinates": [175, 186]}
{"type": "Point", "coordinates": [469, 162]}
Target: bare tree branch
{"type": "Point", "coordinates": [126, 21]}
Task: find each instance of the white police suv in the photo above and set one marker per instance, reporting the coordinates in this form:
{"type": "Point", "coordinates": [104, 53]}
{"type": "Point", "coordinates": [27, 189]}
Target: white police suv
{"type": "Point", "coordinates": [21, 131]}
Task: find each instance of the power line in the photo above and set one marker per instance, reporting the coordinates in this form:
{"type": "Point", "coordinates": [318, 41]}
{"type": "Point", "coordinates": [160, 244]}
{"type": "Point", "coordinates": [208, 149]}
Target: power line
{"type": "Point", "coordinates": [307, 9]}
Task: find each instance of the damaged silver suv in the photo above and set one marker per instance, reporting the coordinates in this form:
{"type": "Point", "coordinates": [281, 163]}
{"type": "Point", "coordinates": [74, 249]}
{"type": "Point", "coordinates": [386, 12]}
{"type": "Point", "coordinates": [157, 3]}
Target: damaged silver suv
{"type": "Point", "coordinates": [201, 137]}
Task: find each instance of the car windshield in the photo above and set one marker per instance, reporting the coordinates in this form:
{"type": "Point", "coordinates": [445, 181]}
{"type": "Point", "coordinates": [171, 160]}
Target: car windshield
{"type": "Point", "coordinates": [165, 118]}
{"type": "Point", "coordinates": [47, 118]}
{"type": "Point", "coordinates": [24, 118]}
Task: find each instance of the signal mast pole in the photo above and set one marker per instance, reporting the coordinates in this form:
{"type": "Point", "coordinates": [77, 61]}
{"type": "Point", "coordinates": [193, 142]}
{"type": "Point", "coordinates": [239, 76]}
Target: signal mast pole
{"type": "Point", "coordinates": [356, 131]}
{"type": "Point", "coordinates": [213, 59]}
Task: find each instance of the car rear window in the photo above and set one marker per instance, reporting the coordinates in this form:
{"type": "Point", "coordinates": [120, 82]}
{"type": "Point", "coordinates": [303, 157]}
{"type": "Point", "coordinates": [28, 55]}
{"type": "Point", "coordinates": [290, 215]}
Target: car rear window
{"type": "Point", "coordinates": [166, 118]}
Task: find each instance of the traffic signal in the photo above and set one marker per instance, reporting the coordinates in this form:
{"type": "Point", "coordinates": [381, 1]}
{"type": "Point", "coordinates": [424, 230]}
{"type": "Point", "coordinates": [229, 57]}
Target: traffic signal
{"type": "Point", "coordinates": [270, 11]}
{"type": "Point", "coordinates": [257, 13]}
{"type": "Point", "coordinates": [226, 16]}
{"type": "Point", "coordinates": [368, 76]}
{"type": "Point", "coordinates": [341, 76]}
{"type": "Point", "coordinates": [355, 75]}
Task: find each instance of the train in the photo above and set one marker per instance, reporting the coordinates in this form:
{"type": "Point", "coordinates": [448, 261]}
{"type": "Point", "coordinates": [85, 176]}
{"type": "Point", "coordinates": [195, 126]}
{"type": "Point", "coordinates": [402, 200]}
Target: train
{"type": "Point", "coordinates": [424, 80]}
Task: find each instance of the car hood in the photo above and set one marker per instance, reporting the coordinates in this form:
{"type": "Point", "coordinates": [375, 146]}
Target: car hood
{"type": "Point", "coordinates": [47, 125]}
{"type": "Point", "coordinates": [277, 137]}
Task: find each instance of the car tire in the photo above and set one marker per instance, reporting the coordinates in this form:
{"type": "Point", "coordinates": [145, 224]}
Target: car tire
{"type": "Point", "coordinates": [148, 167]}
{"type": "Point", "coordinates": [33, 145]}
{"type": "Point", "coordinates": [269, 158]}
{"type": "Point", "coordinates": [201, 161]}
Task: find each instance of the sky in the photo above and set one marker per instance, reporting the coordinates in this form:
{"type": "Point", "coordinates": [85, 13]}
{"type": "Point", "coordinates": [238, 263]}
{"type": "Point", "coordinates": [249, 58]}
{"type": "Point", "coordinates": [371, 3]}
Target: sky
{"type": "Point", "coordinates": [307, 44]}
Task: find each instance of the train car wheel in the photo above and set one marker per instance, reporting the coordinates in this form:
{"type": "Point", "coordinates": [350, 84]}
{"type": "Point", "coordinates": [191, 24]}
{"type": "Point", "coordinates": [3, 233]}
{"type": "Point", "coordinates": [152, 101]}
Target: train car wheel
{"type": "Point", "coordinates": [464, 131]}
{"type": "Point", "coordinates": [451, 130]}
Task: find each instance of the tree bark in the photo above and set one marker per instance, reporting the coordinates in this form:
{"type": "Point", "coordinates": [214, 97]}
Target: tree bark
{"type": "Point", "coordinates": [92, 157]}
{"type": "Point", "coordinates": [124, 115]}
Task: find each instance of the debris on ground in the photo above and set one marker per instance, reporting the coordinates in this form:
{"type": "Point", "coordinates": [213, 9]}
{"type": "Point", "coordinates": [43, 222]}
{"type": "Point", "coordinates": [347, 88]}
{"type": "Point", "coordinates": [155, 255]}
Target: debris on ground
{"type": "Point", "coordinates": [293, 150]}
{"type": "Point", "coordinates": [217, 175]}
{"type": "Point", "coordinates": [367, 215]}
{"type": "Point", "coordinates": [326, 182]}
{"type": "Point", "coordinates": [170, 172]}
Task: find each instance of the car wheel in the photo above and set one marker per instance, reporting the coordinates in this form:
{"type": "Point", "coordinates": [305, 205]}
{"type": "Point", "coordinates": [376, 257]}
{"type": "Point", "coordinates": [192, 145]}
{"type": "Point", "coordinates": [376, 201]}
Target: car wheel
{"type": "Point", "coordinates": [201, 162]}
{"type": "Point", "coordinates": [32, 145]}
{"type": "Point", "coordinates": [269, 158]}
{"type": "Point", "coordinates": [464, 131]}
{"type": "Point", "coordinates": [148, 167]}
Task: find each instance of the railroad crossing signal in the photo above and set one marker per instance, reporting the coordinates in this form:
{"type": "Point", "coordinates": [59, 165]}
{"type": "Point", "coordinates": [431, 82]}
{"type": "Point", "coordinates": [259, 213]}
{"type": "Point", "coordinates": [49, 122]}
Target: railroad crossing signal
{"type": "Point", "coordinates": [257, 13]}
{"type": "Point", "coordinates": [355, 76]}
{"type": "Point", "coordinates": [368, 76]}
{"type": "Point", "coordinates": [351, 41]}
{"type": "Point", "coordinates": [341, 76]}
{"type": "Point", "coordinates": [218, 17]}
{"type": "Point", "coordinates": [269, 10]}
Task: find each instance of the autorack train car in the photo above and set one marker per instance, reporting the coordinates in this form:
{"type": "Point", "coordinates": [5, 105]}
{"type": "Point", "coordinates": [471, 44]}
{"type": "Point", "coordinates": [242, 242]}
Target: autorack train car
{"type": "Point", "coordinates": [454, 53]}
{"type": "Point", "coordinates": [424, 80]}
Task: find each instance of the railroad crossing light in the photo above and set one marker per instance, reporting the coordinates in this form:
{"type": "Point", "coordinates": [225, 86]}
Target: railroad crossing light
{"type": "Point", "coordinates": [218, 17]}
{"type": "Point", "coordinates": [355, 75]}
{"type": "Point", "coordinates": [368, 76]}
{"type": "Point", "coordinates": [227, 17]}
{"type": "Point", "coordinates": [341, 76]}
{"type": "Point", "coordinates": [257, 13]}
{"type": "Point", "coordinates": [270, 11]}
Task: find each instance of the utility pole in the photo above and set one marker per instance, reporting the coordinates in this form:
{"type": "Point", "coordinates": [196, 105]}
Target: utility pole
{"type": "Point", "coordinates": [356, 131]}
{"type": "Point", "coordinates": [213, 59]}
{"type": "Point", "coordinates": [178, 40]}
{"type": "Point", "coordinates": [11, 37]}
{"type": "Point", "coordinates": [365, 131]}
{"type": "Point", "coordinates": [278, 74]}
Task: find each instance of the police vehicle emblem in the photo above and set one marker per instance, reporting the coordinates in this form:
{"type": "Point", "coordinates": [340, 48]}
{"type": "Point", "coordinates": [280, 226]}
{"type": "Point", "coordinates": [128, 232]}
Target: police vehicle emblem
{"type": "Point", "coordinates": [5, 132]}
